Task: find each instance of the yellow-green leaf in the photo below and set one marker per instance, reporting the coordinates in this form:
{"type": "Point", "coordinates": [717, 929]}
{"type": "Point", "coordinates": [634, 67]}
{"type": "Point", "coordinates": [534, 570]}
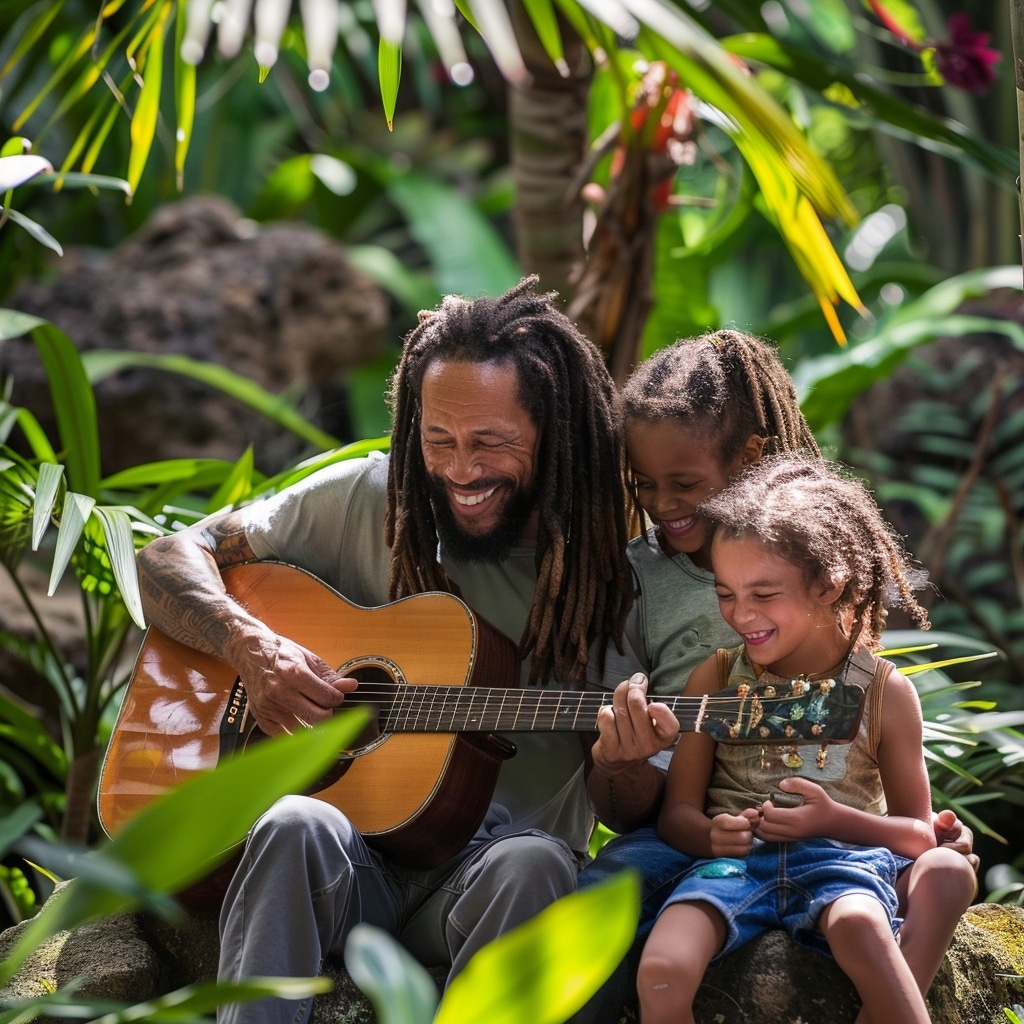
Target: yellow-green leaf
{"type": "Point", "coordinates": [147, 109]}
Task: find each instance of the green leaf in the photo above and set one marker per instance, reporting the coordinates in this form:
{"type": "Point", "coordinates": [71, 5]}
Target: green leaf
{"type": "Point", "coordinates": [389, 70]}
{"type": "Point", "coordinates": [401, 991]}
{"type": "Point", "coordinates": [182, 835]}
{"type": "Point", "coordinates": [75, 513]}
{"type": "Point", "coordinates": [76, 179]}
{"type": "Point", "coordinates": [545, 23]}
{"type": "Point", "coordinates": [184, 98]}
{"type": "Point", "coordinates": [36, 230]}
{"type": "Point", "coordinates": [147, 109]}
{"type": "Point", "coordinates": [546, 969]}
{"type": "Point", "coordinates": [937, 133]}
{"type": "Point", "coordinates": [16, 823]}
{"type": "Point", "coordinates": [120, 544]}
{"type": "Point", "coordinates": [827, 385]}
{"type": "Point", "coordinates": [481, 264]}
{"type": "Point", "coordinates": [74, 406]}
{"type": "Point", "coordinates": [47, 486]}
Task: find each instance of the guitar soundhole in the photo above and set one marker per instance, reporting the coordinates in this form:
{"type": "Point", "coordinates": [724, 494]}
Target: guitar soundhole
{"type": "Point", "coordinates": [377, 678]}
{"type": "Point", "coordinates": [375, 681]}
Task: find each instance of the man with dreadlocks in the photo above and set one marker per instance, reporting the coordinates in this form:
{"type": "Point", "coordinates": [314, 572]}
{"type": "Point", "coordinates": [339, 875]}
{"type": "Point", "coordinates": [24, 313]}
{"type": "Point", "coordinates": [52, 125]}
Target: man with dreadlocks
{"type": "Point", "coordinates": [504, 484]}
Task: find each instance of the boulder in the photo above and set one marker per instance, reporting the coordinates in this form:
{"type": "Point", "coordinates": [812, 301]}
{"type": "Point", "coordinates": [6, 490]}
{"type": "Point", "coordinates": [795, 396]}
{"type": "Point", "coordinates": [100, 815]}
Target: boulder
{"type": "Point", "coordinates": [134, 957]}
{"type": "Point", "coordinates": [279, 303]}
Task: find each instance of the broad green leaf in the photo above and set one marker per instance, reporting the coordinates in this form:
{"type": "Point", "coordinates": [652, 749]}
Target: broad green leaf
{"type": "Point", "coordinates": [120, 545]}
{"type": "Point", "coordinates": [356, 450]}
{"type": "Point", "coordinates": [74, 515]}
{"type": "Point", "coordinates": [101, 363]}
{"type": "Point", "coordinates": [36, 230]}
{"type": "Point", "coordinates": [412, 288]}
{"type": "Point", "coordinates": [147, 108]}
{"type": "Point", "coordinates": [481, 264]}
{"type": "Point", "coordinates": [401, 991]}
{"type": "Point", "coordinates": [180, 836]}
{"type": "Point", "coordinates": [47, 486]}
{"type": "Point", "coordinates": [546, 969]}
{"type": "Point", "coordinates": [827, 385]}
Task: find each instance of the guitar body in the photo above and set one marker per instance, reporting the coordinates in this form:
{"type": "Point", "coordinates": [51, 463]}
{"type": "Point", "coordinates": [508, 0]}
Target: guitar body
{"type": "Point", "coordinates": [418, 796]}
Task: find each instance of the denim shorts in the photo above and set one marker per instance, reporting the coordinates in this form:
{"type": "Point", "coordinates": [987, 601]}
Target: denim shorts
{"type": "Point", "coordinates": [661, 869]}
{"type": "Point", "coordinates": [788, 885]}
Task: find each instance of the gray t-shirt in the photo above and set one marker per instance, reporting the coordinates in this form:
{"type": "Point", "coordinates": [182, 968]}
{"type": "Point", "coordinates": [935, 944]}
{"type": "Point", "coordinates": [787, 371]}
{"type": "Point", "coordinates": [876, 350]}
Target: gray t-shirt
{"type": "Point", "coordinates": [673, 626]}
{"type": "Point", "coordinates": [332, 525]}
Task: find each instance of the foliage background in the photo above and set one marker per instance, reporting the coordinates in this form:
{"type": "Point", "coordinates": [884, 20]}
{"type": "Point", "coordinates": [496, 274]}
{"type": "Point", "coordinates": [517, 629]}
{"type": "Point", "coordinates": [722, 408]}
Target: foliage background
{"type": "Point", "coordinates": [436, 206]}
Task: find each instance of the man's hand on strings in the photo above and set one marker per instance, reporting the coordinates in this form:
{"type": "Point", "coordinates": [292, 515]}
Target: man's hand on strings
{"type": "Point", "coordinates": [289, 687]}
{"type": "Point", "coordinates": [631, 730]}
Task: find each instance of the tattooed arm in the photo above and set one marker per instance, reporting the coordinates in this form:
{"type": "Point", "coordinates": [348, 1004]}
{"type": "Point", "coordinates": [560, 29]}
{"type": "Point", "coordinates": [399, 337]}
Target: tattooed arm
{"type": "Point", "coordinates": [183, 596]}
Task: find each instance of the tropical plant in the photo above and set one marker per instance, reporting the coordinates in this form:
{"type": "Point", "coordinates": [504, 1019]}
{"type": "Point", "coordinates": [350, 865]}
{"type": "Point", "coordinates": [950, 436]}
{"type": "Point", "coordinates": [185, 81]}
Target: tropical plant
{"type": "Point", "coordinates": [100, 522]}
{"type": "Point", "coordinates": [542, 971]}
{"type": "Point", "coordinates": [712, 100]}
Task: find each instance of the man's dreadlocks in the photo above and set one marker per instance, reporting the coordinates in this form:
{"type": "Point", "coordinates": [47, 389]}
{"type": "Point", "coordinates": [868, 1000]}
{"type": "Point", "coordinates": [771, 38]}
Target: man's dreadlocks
{"type": "Point", "coordinates": [584, 585]}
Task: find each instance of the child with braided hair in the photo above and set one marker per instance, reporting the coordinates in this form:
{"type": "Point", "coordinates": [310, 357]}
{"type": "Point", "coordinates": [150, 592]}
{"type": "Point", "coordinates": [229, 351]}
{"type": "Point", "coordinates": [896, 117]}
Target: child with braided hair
{"type": "Point", "coordinates": [694, 415]}
{"type": "Point", "coordinates": [805, 565]}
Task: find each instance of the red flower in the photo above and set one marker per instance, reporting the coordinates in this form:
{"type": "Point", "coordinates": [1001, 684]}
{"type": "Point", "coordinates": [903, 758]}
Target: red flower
{"type": "Point", "coordinates": [965, 61]}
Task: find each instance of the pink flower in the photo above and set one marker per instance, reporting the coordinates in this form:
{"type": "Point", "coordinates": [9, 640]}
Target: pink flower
{"type": "Point", "coordinates": [965, 61]}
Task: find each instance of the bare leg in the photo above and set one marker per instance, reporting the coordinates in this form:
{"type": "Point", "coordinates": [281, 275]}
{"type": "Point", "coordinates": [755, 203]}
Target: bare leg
{"type": "Point", "coordinates": [684, 939]}
{"type": "Point", "coordinates": [934, 892]}
{"type": "Point", "coordinates": [861, 940]}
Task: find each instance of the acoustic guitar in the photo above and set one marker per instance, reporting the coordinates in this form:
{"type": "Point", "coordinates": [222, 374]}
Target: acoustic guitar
{"type": "Point", "coordinates": [442, 689]}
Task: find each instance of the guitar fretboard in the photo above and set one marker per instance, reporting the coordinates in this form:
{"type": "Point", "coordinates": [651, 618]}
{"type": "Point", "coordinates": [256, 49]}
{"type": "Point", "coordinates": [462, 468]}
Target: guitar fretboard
{"type": "Point", "coordinates": [427, 708]}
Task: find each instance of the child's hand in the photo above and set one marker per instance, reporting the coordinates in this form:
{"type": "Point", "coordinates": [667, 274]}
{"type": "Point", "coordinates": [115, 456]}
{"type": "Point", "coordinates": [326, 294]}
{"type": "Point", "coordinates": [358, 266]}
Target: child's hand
{"type": "Point", "coordinates": [732, 835]}
{"type": "Point", "coordinates": [808, 821]}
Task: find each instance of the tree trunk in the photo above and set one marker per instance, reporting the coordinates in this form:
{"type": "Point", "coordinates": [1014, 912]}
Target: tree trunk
{"type": "Point", "coordinates": [548, 141]}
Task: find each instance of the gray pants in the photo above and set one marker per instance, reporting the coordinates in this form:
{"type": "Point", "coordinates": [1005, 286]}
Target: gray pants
{"type": "Point", "coordinates": [306, 878]}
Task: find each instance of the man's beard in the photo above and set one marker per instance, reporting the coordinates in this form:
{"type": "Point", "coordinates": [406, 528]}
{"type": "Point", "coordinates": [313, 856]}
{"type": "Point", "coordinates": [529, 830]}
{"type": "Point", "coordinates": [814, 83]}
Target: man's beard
{"type": "Point", "coordinates": [493, 546]}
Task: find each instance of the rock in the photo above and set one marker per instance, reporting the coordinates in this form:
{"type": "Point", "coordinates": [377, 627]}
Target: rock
{"type": "Point", "coordinates": [279, 303]}
{"type": "Point", "coordinates": [135, 957]}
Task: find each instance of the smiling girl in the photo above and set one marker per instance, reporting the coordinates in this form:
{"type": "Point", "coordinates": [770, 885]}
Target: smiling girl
{"type": "Point", "coordinates": [804, 567]}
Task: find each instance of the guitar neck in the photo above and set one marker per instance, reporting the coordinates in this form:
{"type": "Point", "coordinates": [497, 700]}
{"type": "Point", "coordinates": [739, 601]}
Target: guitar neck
{"type": "Point", "coordinates": [759, 716]}
{"type": "Point", "coordinates": [425, 708]}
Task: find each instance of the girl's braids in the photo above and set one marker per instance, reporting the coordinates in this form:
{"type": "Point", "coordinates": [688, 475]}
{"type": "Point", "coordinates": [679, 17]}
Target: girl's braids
{"type": "Point", "coordinates": [584, 585]}
{"type": "Point", "coordinates": [815, 516]}
{"type": "Point", "coordinates": [729, 385]}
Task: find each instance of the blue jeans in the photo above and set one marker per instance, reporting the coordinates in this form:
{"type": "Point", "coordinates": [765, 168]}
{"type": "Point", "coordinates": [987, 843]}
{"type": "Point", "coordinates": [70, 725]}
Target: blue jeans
{"type": "Point", "coordinates": [661, 869]}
